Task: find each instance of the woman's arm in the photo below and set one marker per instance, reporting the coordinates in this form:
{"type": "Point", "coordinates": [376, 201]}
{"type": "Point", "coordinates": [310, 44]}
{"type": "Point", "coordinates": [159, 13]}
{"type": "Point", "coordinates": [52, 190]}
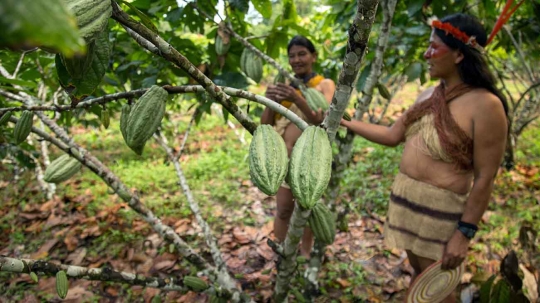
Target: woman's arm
{"type": "Point", "coordinates": [489, 135]}
{"type": "Point", "coordinates": [384, 135]}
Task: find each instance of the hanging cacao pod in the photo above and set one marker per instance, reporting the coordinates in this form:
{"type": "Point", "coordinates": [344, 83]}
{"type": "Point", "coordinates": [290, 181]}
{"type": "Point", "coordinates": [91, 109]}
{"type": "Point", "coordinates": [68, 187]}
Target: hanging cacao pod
{"type": "Point", "coordinates": [268, 159]}
{"type": "Point", "coordinates": [251, 65]}
{"type": "Point", "coordinates": [383, 91]}
{"type": "Point", "coordinates": [92, 16]}
{"type": "Point", "coordinates": [23, 126]}
{"type": "Point", "coordinates": [105, 118]}
{"type": "Point", "coordinates": [195, 283]}
{"type": "Point", "coordinates": [124, 118]}
{"type": "Point", "coordinates": [221, 48]}
{"type": "Point", "coordinates": [310, 166]}
{"type": "Point", "coordinates": [62, 284]}
{"type": "Point", "coordinates": [5, 118]}
{"type": "Point", "coordinates": [145, 118]}
{"type": "Point", "coordinates": [323, 223]}
{"type": "Point", "coordinates": [315, 99]}
{"type": "Point", "coordinates": [280, 78]}
{"type": "Point", "coordinates": [61, 169]}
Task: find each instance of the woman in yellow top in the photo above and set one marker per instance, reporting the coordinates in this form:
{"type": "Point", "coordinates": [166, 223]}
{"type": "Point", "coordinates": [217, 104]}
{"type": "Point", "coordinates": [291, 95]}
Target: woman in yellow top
{"type": "Point", "coordinates": [302, 56]}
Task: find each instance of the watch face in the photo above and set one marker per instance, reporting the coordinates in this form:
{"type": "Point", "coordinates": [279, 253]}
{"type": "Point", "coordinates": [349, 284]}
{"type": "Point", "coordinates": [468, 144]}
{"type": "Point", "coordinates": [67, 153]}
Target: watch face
{"type": "Point", "coordinates": [468, 232]}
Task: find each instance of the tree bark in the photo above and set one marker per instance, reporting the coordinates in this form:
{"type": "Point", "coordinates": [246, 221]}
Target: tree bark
{"type": "Point", "coordinates": [356, 47]}
{"type": "Point", "coordinates": [46, 268]}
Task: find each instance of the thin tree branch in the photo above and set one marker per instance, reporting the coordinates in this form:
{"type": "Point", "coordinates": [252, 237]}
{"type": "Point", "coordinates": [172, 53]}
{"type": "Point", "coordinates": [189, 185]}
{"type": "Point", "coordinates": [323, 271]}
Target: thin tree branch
{"type": "Point", "coordinates": [287, 265]}
{"type": "Point", "coordinates": [141, 41]}
{"type": "Point", "coordinates": [356, 46]}
{"type": "Point", "coordinates": [184, 140]}
{"type": "Point", "coordinates": [259, 53]}
{"type": "Point", "coordinates": [171, 89]}
{"type": "Point", "coordinates": [172, 55]}
{"type": "Point", "coordinates": [65, 143]}
{"type": "Point", "coordinates": [520, 53]}
{"type": "Point", "coordinates": [93, 274]}
{"type": "Point", "coordinates": [194, 206]}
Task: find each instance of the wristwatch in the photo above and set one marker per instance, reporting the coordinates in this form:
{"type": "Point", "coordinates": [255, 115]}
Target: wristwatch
{"type": "Point", "coordinates": [467, 229]}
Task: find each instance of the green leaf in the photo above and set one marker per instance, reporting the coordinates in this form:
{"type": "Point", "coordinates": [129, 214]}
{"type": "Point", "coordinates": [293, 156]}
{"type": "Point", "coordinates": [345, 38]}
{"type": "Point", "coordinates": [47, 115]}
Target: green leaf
{"type": "Point", "coordinates": [144, 18]}
{"type": "Point", "coordinates": [231, 79]}
{"type": "Point", "coordinates": [413, 71]}
{"type": "Point", "coordinates": [17, 82]}
{"type": "Point", "coordinates": [264, 7]}
{"type": "Point", "coordinates": [80, 88]}
{"type": "Point", "coordinates": [241, 5]}
{"type": "Point", "coordinates": [29, 23]}
{"type": "Point", "coordinates": [414, 6]}
{"type": "Point", "coordinates": [485, 289]}
{"type": "Point", "coordinates": [34, 276]}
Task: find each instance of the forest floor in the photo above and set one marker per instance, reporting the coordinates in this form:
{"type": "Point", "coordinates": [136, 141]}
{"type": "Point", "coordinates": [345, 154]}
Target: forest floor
{"type": "Point", "coordinates": [87, 226]}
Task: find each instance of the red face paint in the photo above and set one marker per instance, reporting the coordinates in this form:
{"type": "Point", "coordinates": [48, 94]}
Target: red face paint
{"type": "Point", "coordinates": [436, 50]}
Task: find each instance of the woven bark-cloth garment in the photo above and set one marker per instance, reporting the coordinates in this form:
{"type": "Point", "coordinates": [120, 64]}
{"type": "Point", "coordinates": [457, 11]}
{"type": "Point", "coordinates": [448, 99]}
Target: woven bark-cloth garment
{"type": "Point", "coordinates": [421, 217]}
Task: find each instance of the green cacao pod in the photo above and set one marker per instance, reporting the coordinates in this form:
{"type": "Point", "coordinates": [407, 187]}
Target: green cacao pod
{"type": "Point", "coordinates": [310, 166]}
{"type": "Point", "coordinates": [500, 292]}
{"type": "Point", "coordinates": [221, 48]}
{"type": "Point", "coordinates": [23, 126]}
{"type": "Point", "coordinates": [145, 118]}
{"type": "Point", "coordinates": [251, 65]}
{"type": "Point", "coordinates": [315, 99]}
{"type": "Point", "coordinates": [61, 169]}
{"type": "Point", "coordinates": [124, 117]}
{"type": "Point", "coordinates": [268, 159]}
{"type": "Point", "coordinates": [383, 91]}
{"type": "Point", "coordinates": [105, 118]}
{"type": "Point", "coordinates": [323, 223]}
{"type": "Point", "coordinates": [280, 78]}
{"type": "Point", "coordinates": [62, 284]}
{"type": "Point", "coordinates": [195, 283]}
{"type": "Point", "coordinates": [216, 299]}
{"type": "Point", "coordinates": [5, 118]}
{"type": "Point", "coordinates": [92, 16]}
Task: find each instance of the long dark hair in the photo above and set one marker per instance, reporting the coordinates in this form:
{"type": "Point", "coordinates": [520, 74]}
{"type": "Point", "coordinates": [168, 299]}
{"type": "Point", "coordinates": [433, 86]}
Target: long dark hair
{"type": "Point", "coordinates": [301, 41]}
{"type": "Point", "coordinates": [473, 69]}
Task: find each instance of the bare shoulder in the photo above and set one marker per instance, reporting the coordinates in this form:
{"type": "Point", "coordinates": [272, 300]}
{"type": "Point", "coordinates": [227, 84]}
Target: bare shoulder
{"type": "Point", "coordinates": [484, 103]}
{"type": "Point", "coordinates": [425, 94]}
{"type": "Point", "coordinates": [327, 84]}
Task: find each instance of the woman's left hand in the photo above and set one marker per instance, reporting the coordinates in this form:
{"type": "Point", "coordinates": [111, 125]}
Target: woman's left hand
{"type": "Point", "coordinates": [455, 251]}
{"type": "Point", "coordinates": [286, 92]}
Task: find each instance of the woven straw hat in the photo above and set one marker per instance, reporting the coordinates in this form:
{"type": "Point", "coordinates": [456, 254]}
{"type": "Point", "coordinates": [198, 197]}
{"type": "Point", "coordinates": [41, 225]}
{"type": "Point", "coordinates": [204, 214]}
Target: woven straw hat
{"type": "Point", "coordinates": [434, 284]}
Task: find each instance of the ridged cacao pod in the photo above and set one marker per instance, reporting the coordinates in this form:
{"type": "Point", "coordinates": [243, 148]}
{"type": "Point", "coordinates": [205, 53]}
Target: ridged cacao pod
{"type": "Point", "coordinates": [61, 169]}
{"type": "Point", "coordinates": [124, 118]}
{"type": "Point", "coordinates": [195, 283]}
{"type": "Point", "coordinates": [92, 16]}
{"type": "Point", "coordinates": [280, 78]}
{"type": "Point", "coordinates": [315, 99]}
{"type": "Point", "coordinates": [252, 65]}
{"type": "Point", "coordinates": [145, 118]}
{"type": "Point", "coordinates": [500, 292]}
{"type": "Point", "coordinates": [62, 284]}
{"type": "Point", "coordinates": [5, 118]}
{"type": "Point", "coordinates": [221, 48]}
{"type": "Point", "coordinates": [105, 118]}
{"type": "Point", "coordinates": [268, 159]}
{"type": "Point", "coordinates": [383, 91]}
{"type": "Point", "coordinates": [23, 126]}
{"type": "Point", "coordinates": [310, 166]}
{"type": "Point", "coordinates": [323, 223]}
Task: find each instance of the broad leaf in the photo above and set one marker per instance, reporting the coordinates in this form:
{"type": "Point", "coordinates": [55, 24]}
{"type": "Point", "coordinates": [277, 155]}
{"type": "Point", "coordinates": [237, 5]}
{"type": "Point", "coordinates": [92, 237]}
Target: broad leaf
{"type": "Point", "coordinates": [144, 18]}
{"type": "Point", "coordinates": [264, 7]}
{"type": "Point", "coordinates": [31, 23]}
